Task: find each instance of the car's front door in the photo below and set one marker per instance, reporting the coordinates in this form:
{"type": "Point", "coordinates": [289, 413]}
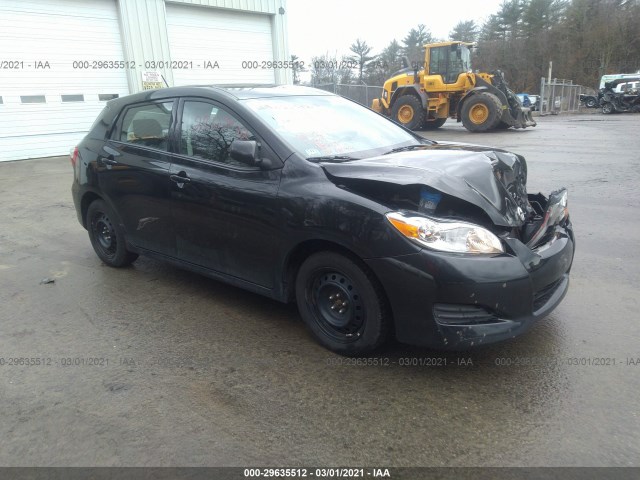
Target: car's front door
{"type": "Point", "coordinates": [225, 212]}
{"type": "Point", "coordinates": [133, 174]}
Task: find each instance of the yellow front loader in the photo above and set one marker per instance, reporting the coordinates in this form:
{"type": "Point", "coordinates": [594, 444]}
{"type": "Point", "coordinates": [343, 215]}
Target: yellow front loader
{"type": "Point", "coordinates": [424, 96]}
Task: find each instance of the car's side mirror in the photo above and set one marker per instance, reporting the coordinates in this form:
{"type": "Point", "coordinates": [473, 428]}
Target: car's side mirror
{"type": "Point", "coordinates": [245, 151]}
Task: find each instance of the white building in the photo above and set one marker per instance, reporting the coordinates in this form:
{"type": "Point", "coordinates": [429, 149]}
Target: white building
{"type": "Point", "coordinates": [60, 60]}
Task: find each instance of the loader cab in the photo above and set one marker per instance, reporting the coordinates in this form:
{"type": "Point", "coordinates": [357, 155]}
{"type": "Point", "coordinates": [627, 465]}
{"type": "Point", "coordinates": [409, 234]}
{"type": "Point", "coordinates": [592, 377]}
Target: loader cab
{"type": "Point", "coordinates": [448, 60]}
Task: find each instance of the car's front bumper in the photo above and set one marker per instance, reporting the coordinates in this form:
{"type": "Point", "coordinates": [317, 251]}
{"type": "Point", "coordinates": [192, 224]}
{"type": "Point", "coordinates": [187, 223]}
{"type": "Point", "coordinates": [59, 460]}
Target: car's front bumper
{"type": "Point", "coordinates": [456, 301]}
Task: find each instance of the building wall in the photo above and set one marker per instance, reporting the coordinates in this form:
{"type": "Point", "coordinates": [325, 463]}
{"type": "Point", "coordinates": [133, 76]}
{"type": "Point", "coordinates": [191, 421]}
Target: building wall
{"type": "Point", "coordinates": [144, 28]}
{"type": "Point", "coordinates": [45, 112]}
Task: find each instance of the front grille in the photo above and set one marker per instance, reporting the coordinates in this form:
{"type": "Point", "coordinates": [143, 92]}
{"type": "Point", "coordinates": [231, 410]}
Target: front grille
{"type": "Point", "coordinates": [448, 314]}
{"type": "Point", "coordinates": [541, 297]}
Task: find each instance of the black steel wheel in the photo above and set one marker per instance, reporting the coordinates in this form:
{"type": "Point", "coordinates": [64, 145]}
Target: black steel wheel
{"type": "Point", "coordinates": [342, 304]}
{"type": "Point", "coordinates": [106, 236]}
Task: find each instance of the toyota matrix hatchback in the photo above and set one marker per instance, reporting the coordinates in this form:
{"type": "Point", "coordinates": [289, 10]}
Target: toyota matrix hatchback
{"type": "Point", "coordinates": [304, 196]}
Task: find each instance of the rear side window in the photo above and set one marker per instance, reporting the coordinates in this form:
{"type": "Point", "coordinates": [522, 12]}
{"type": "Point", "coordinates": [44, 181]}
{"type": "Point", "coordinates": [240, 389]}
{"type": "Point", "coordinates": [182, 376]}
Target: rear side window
{"type": "Point", "coordinates": [146, 125]}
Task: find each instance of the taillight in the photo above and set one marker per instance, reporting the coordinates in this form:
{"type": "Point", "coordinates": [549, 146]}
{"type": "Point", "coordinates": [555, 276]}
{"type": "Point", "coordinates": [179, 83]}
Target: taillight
{"type": "Point", "coordinates": [74, 157]}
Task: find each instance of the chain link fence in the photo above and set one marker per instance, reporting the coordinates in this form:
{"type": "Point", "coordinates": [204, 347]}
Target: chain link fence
{"type": "Point", "coordinates": [561, 96]}
{"type": "Point", "coordinates": [557, 96]}
{"type": "Point", "coordinates": [363, 94]}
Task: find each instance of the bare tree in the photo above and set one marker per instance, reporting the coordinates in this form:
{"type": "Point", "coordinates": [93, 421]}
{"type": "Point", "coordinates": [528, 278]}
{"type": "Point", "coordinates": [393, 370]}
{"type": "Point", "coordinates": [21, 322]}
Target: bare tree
{"type": "Point", "coordinates": [297, 68]}
{"type": "Point", "coordinates": [330, 70]}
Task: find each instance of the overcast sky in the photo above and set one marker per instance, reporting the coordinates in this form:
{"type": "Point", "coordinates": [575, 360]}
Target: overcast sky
{"type": "Point", "coordinates": [317, 27]}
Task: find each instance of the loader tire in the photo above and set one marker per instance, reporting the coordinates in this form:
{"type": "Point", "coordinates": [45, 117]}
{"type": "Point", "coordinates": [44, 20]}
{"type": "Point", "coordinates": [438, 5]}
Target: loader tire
{"type": "Point", "coordinates": [408, 112]}
{"type": "Point", "coordinates": [481, 112]}
{"type": "Point", "coordinates": [433, 124]}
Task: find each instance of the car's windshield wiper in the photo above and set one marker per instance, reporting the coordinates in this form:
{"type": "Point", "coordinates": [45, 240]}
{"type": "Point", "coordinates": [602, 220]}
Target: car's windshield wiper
{"type": "Point", "coordinates": [331, 158]}
{"type": "Point", "coordinates": [408, 147]}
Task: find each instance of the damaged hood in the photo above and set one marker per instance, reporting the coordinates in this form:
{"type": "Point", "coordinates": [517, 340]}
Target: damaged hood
{"type": "Point", "coordinates": [494, 180]}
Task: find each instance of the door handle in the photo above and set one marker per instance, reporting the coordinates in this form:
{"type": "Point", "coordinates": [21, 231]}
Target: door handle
{"type": "Point", "coordinates": [109, 161]}
{"type": "Point", "coordinates": [179, 179]}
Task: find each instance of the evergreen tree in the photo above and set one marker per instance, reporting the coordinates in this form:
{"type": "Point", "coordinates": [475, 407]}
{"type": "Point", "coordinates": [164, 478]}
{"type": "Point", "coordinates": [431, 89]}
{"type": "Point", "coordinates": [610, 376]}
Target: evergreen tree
{"type": "Point", "coordinates": [361, 56]}
{"type": "Point", "coordinates": [465, 31]}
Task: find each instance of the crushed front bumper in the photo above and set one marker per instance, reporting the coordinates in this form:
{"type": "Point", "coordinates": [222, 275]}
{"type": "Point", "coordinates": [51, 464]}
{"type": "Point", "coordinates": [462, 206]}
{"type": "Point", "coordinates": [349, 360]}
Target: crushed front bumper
{"type": "Point", "coordinates": [456, 301]}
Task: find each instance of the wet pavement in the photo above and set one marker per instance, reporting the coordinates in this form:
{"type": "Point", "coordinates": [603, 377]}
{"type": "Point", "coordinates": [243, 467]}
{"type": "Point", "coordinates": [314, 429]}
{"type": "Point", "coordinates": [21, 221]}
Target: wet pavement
{"type": "Point", "coordinates": [155, 366]}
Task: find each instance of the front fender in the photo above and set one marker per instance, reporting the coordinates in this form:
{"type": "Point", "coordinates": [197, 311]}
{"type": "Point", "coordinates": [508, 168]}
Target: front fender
{"type": "Point", "coordinates": [411, 90]}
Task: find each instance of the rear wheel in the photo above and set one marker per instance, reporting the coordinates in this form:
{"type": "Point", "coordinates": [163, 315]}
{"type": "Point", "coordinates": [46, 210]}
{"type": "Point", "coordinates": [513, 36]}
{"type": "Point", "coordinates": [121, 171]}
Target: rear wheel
{"type": "Point", "coordinates": [591, 102]}
{"type": "Point", "coordinates": [106, 236]}
{"type": "Point", "coordinates": [408, 112]}
{"type": "Point", "coordinates": [481, 112]}
{"type": "Point", "coordinates": [342, 304]}
{"type": "Point", "coordinates": [433, 124]}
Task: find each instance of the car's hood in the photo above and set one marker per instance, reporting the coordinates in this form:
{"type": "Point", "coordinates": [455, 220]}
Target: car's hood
{"type": "Point", "coordinates": [491, 179]}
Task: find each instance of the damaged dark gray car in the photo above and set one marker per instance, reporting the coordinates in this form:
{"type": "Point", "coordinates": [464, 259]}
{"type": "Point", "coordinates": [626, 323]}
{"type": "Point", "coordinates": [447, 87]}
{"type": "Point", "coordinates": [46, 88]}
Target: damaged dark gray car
{"type": "Point", "coordinates": [304, 196]}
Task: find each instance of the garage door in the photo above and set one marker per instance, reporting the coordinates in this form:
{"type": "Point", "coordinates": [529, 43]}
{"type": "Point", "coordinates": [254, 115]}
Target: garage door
{"type": "Point", "coordinates": [48, 102]}
{"type": "Point", "coordinates": [199, 35]}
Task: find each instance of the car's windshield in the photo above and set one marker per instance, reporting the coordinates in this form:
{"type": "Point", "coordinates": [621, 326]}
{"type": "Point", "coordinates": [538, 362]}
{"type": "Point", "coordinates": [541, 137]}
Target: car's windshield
{"type": "Point", "coordinates": [325, 126]}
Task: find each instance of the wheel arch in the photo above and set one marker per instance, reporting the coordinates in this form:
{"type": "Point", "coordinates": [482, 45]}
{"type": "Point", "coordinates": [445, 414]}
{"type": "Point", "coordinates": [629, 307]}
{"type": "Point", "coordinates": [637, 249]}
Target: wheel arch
{"type": "Point", "coordinates": [87, 199]}
{"type": "Point", "coordinates": [410, 90]}
{"type": "Point", "coordinates": [303, 250]}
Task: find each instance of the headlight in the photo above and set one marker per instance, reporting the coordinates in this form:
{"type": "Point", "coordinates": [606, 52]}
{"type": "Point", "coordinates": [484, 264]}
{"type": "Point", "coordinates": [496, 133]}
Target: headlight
{"type": "Point", "coordinates": [459, 237]}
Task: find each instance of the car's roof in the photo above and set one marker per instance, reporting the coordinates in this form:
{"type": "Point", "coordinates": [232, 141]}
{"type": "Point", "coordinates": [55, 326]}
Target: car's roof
{"type": "Point", "coordinates": [259, 91]}
{"type": "Point", "coordinates": [235, 91]}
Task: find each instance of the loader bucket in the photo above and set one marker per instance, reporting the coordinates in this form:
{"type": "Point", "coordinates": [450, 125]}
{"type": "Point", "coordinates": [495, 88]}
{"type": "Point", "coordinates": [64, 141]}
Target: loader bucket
{"type": "Point", "coordinates": [523, 118]}
{"type": "Point", "coordinates": [513, 114]}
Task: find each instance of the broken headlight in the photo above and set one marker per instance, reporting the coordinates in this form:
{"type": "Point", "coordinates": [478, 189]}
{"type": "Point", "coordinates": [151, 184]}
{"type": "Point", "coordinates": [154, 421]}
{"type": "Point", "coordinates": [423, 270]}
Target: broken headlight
{"type": "Point", "coordinates": [457, 237]}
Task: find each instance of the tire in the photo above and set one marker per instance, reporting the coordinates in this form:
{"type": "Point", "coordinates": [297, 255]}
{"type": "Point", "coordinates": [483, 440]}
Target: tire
{"type": "Point", "coordinates": [481, 112]}
{"type": "Point", "coordinates": [433, 124]}
{"type": "Point", "coordinates": [106, 235]}
{"type": "Point", "coordinates": [342, 304]}
{"type": "Point", "coordinates": [591, 102]}
{"type": "Point", "coordinates": [607, 108]}
{"type": "Point", "coordinates": [408, 112]}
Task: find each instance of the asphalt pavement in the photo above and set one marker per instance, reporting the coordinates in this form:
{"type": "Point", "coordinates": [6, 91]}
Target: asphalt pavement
{"type": "Point", "coordinates": [155, 366]}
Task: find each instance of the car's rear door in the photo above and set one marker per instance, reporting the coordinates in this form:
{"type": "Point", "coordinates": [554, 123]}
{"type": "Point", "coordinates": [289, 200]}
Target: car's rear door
{"type": "Point", "coordinates": [225, 211]}
{"type": "Point", "coordinates": [133, 174]}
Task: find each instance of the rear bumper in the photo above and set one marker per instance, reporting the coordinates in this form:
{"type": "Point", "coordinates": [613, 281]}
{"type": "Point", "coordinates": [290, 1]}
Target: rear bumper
{"type": "Point", "coordinates": [452, 301]}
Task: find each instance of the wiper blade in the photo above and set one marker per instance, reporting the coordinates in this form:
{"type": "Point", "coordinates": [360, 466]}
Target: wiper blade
{"type": "Point", "coordinates": [331, 158]}
{"type": "Point", "coordinates": [409, 147]}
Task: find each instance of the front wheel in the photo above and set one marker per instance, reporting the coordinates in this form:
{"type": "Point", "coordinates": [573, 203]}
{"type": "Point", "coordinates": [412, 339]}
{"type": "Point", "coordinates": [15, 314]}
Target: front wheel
{"type": "Point", "coordinates": [408, 112]}
{"type": "Point", "coordinates": [342, 304]}
{"type": "Point", "coordinates": [607, 107]}
{"type": "Point", "coordinates": [106, 236]}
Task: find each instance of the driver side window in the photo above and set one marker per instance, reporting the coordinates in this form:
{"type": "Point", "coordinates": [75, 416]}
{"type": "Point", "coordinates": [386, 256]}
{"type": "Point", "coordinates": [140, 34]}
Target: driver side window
{"type": "Point", "coordinates": [208, 131]}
